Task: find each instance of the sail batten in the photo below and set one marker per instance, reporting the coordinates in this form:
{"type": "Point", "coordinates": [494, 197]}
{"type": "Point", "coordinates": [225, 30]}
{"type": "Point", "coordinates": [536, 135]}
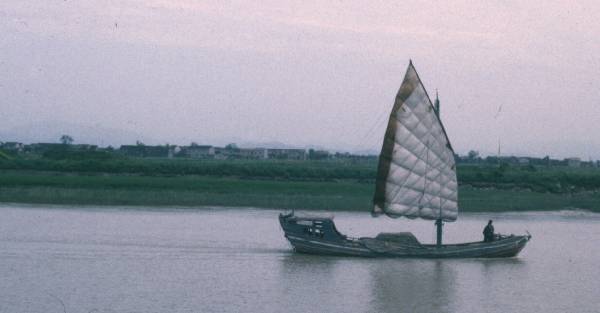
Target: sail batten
{"type": "Point", "coordinates": [416, 177]}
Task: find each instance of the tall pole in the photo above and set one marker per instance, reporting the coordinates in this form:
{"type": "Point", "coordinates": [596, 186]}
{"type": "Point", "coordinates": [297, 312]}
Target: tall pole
{"type": "Point", "coordinates": [439, 223]}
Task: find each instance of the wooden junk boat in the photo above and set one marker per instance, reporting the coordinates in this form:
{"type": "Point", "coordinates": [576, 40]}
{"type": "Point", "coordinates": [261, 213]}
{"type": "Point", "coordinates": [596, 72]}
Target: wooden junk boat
{"type": "Point", "coordinates": [416, 178]}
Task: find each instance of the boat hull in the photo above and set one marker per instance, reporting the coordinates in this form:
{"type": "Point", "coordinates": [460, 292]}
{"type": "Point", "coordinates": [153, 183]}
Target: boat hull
{"type": "Point", "coordinates": [319, 236]}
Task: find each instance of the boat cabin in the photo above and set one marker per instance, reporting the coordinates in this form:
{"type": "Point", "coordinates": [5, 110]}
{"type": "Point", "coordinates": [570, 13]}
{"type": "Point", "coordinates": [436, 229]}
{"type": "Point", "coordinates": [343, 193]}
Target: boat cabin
{"type": "Point", "coordinates": [314, 226]}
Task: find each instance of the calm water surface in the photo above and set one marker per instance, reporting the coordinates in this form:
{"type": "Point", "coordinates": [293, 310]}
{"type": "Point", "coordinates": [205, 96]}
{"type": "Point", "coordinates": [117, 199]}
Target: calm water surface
{"type": "Point", "coordinates": [236, 260]}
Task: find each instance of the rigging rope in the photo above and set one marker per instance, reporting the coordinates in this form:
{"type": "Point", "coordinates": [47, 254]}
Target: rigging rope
{"type": "Point", "coordinates": [375, 125]}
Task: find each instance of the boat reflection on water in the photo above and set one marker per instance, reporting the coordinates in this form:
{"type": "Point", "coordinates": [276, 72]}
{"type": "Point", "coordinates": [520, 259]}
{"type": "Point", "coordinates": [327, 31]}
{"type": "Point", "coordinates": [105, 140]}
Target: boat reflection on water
{"type": "Point", "coordinates": [394, 285]}
{"type": "Point", "coordinates": [338, 284]}
{"type": "Point", "coordinates": [321, 283]}
{"type": "Point", "coordinates": [413, 286]}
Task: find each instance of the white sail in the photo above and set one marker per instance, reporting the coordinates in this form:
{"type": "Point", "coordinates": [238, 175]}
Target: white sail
{"type": "Point", "coordinates": [416, 177]}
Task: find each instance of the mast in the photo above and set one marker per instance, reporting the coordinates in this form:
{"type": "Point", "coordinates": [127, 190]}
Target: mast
{"type": "Point", "coordinates": [438, 223]}
{"type": "Point", "coordinates": [437, 104]}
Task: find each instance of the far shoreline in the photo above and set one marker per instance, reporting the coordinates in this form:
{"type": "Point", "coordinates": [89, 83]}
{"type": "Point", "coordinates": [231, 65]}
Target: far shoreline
{"type": "Point", "coordinates": [185, 208]}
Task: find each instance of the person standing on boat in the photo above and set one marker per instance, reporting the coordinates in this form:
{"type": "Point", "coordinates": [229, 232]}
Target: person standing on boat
{"type": "Point", "coordinates": [488, 232]}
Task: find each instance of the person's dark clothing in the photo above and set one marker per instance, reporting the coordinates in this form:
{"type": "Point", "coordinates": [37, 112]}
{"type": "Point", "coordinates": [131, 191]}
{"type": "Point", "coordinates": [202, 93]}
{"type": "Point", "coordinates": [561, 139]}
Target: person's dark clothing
{"type": "Point", "coordinates": [488, 233]}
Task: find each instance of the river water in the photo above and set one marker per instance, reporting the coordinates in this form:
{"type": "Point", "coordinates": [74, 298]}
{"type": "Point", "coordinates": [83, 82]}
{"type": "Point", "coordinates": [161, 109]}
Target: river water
{"type": "Point", "coordinates": [114, 259]}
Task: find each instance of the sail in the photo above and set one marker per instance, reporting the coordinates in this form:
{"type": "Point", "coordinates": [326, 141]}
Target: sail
{"type": "Point", "coordinates": [416, 177]}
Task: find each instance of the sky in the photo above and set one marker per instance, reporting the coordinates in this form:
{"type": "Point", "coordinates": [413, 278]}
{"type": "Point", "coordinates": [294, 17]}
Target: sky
{"type": "Point", "coordinates": [521, 77]}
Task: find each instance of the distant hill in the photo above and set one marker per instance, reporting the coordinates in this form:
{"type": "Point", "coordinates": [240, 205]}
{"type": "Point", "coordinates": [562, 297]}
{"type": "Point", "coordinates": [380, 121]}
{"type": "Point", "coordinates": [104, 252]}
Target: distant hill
{"type": "Point", "coordinates": [51, 132]}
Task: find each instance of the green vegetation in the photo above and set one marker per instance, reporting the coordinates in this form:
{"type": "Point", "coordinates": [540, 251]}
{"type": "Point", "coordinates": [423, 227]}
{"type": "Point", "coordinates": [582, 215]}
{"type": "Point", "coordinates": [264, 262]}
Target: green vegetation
{"type": "Point", "coordinates": [556, 180]}
{"type": "Point", "coordinates": [49, 187]}
{"type": "Point", "coordinates": [494, 200]}
{"type": "Point", "coordinates": [99, 178]}
{"type": "Point", "coordinates": [271, 169]}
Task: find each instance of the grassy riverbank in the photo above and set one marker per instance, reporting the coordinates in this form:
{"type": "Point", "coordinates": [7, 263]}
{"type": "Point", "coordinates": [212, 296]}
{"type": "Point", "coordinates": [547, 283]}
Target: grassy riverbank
{"type": "Point", "coordinates": [26, 186]}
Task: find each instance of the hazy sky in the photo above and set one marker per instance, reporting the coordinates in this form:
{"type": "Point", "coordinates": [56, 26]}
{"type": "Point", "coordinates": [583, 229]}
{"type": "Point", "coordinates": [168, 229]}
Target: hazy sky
{"type": "Point", "coordinates": [524, 74]}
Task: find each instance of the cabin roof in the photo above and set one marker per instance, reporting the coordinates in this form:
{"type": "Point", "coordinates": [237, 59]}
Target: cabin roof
{"type": "Point", "coordinates": [312, 217]}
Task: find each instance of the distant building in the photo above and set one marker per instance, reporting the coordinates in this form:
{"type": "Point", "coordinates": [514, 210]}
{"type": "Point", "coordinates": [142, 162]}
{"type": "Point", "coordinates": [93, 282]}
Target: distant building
{"type": "Point", "coordinates": [290, 154]}
{"type": "Point", "coordinates": [352, 158]}
{"type": "Point", "coordinates": [573, 162]}
{"type": "Point", "coordinates": [13, 146]}
{"type": "Point", "coordinates": [323, 154]}
{"type": "Point", "coordinates": [198, 152]}
{"type": "Point", "coordinates": [83, 147]}
{"type": "Point", "coordinates": [41, 148]}
{"type": "Point", "coordinates": [143, 151]}
{"type": "Point", "coordinates": [240, 153]}
{"type": "Point", "coordinates": [223, 153]}
{"type": "Point", "coordinates": [258, 153]}
{"type": "Point", "coordinates": [253, 153]}
{"type": "Point", "coordinates": [524, 161]}
{"type": "Point", "coordinates": [588, 164]}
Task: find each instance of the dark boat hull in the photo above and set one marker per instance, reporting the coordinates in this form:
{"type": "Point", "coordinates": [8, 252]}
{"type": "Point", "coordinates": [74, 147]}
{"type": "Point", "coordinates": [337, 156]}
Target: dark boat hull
{"type": "Point", "coordinates": [319, 236]}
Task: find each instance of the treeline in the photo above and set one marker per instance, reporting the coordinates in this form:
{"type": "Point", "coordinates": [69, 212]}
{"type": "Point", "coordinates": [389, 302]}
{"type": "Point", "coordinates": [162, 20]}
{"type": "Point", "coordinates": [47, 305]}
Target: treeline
{"type": "Point", "coordinates": [267, 169]}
